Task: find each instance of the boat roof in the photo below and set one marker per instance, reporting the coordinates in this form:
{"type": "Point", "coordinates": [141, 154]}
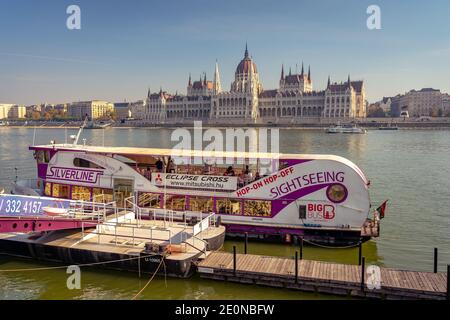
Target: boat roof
{"type": "Point", "coordinates": [194, 153]}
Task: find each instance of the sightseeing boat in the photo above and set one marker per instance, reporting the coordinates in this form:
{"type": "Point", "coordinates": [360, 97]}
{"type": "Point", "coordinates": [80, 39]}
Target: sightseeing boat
{"type": "Point", "coordinates": [323, 199]}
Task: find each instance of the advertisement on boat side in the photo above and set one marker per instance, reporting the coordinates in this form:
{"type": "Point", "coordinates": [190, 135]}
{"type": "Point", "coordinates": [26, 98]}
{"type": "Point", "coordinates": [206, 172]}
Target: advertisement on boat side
{"type": "Point", "coordinates": [328, 191]}
{"type": "Point", "coordinates": [17, 205]}
{"type": "Point", "coordinates": [176, 180]}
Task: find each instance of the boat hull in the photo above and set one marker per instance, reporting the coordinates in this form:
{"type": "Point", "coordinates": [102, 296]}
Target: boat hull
{"type": "Point", "coordinates": [324, 237]}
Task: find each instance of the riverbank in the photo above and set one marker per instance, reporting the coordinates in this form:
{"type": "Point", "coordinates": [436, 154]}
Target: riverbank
{"type": "Point", "coordinates": [368, 123]}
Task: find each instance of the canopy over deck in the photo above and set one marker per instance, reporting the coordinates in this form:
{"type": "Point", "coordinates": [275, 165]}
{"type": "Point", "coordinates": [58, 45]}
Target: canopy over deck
{"type": "Point", "coordinates": [192, 153]}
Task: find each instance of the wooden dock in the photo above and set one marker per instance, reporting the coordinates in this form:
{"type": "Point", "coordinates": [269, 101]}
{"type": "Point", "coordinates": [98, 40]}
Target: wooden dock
{"type": "Point", "coordinates": [323, 277]}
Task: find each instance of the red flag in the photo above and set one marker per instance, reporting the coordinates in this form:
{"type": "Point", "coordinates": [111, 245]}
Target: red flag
{"type": "Point", "coordinates": [382, 209]}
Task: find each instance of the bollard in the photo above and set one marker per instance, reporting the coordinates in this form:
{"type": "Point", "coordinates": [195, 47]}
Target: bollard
{"type": "Point", "coordinates": [435, 269]}
{"type": "Point", "coordinates": [360, 252]}
{"type": "Point", "coordinates": [363, 273]}
{"type": "Point", "coordinates": [296, 266]}
{"type": "Point", "coordinates": [246, 243]}
{"type": "Point", "coordinates": [301, 248]}
{"type": "Point", "coordinates": [234, 260]}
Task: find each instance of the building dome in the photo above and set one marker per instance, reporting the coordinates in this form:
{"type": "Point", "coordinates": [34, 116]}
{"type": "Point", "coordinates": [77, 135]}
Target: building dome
{"type": "Point", "coordinates": [245, 64]}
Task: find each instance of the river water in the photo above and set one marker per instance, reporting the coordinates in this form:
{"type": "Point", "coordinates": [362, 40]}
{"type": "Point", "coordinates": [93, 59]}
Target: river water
{"type": "Point", "coordinates": [411, 168]}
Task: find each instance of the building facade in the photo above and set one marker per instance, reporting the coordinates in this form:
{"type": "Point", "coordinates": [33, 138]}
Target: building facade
{"type": "Point", "coordinates": [424, 102]}
{"type": "Point", "coordinates": [446, 105]}
{"type": "Point", "coordinates": [12, 111]}
{"type": "Point", "coordinates": [94, 109]}
{"type": "Point", "coordinates": [122, 110]}
{"type": "Point", "coordinates": [248, 102]}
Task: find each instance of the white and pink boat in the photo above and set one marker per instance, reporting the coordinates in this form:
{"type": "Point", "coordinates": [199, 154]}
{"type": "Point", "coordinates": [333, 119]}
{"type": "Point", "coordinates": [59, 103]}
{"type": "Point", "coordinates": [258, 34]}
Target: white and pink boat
{"type": "Point", "coordinates": [321, 198]}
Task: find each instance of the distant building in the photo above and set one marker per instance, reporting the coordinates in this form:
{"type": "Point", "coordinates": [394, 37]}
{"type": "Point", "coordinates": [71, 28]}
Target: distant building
{"type": "Point", "coordinates": [248, 102]}
{"type": "Point", "coordinates": [424, 102]}
{"type": "Point", "coordinates": [12, 111]}
{"type": "Point", "coordinates": [62, 107]}
{"type": "Point", "coordinates": [137, 109]}
{"type": "Point", "coordinates": [446, 104]}
{"type": "Point", "coordinates": [94, 109]}
{"type": "Point", "coordinates": [122, 110]}
{"type": "Point", "coordinates": [385, 104]}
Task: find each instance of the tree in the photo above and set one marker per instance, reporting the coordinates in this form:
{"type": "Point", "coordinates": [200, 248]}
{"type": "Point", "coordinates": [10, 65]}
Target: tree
{"type": "Point", "coordinates": [375, 112]}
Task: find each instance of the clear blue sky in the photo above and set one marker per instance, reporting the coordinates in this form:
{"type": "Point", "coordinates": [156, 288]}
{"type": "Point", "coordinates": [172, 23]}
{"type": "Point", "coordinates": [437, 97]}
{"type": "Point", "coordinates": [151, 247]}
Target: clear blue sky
{"type": "Point", "coordinates": [126, 46]}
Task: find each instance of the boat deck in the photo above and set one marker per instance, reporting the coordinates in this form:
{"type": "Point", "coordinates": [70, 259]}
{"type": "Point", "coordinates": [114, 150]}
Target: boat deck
{"type": "Point", "coordinates": [125, 237]}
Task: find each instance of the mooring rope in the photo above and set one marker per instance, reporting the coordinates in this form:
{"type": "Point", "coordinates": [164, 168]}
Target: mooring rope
{"type": "Point", "coordinates": [150, 280]}
{"type": "Point", "coordinates": [331, 247]}
{"type": "Point", "coordinates": [79, 265]}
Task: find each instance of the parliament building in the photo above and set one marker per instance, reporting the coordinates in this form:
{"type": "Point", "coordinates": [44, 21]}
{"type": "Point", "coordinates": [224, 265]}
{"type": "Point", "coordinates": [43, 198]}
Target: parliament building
{"type": "Point", "coordinates": [247, 102]}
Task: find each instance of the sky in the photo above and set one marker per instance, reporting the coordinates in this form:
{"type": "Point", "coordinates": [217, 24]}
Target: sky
{"type": "Point", "coordinates": [125, 47]}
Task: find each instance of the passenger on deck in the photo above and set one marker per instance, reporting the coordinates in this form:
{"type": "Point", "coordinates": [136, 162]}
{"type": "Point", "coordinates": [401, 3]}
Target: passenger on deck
{"type": "Point", "coordinates": [247, 175]}
{"type": "Point", "coordinates": [159, 165]}
{"type": "Point", "coordinates": [148, 173]}
{"type": "Point", "coordinates": [241, 180]}
{"type": "Point", "coordinates": [171, 166]}
{"type": "Point", "coordinates": [257, 176]}
{"type": "Point", "coordinates": [229, 172]}
{"type": "Point", "coordinates": [207, 168]}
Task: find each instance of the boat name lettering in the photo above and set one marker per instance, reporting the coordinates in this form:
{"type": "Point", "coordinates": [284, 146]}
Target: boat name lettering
{"type": "Point", "coordinates": [76, 175]}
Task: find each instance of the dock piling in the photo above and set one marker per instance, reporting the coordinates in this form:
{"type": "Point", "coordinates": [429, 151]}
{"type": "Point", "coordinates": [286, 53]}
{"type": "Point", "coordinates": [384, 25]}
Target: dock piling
{"type": "Point", "coordinates": [359, 252]}
{"type": "Point", "coordinates": [296, 266]}
{"type": "Point", "coordinates": [435, 269]}
{"type": "Point", "coordinates": [234, 260]}
{"type": "Point", "coordinates": [363, 273]}
{"type": "Point", "coordinates": [246, 243]}
{"type": "Point", "coordinates": [301, 248]}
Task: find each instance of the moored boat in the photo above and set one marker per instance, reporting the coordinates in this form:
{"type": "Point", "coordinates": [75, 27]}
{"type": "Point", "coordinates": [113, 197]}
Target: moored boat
{"type": "Point", "coordinates": [321, 198]}
{"type": "Point", "coordinates": [345, 128]}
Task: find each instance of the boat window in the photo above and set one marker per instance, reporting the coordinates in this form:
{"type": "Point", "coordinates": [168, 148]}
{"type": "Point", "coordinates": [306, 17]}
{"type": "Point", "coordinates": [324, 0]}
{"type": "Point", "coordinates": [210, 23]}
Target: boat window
{"type": "Point", "coordinates": [175, 202]}
{"type": "Point", "coordinates": [102, 195]}
{"type": "Point", "coordinates": [203, 204]}
{"type": "Point", "coordinates": [82, 163]}
{"type": "Point", "coordinates": [81, 193]}
{"type": "Point", "coordinates": [149, 200]}
{"type": "Point", "coordinates": [302, 212]}
{"type": "Point", "coordinates": [60, 191]}
{"type": "Point", "coordinates": [48, 189]}
{"type": "Point", "coordinates": [257, 208]}
{"type": "Point", "coordinates": [42, 156]}
{"type": "Point", "coordinates": [229, 206]}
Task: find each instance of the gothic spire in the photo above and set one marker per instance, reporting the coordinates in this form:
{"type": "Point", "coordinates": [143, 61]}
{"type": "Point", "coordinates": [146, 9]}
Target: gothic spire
{"type": "Point", "coordinates": [148, 93]}
{"type": "Point", "coordinates": [329, 81]}
{"type": "Point", "coordinates": [204, 79]}
{"type": "Point", "coordinates": [309, 73]}
{"type": "Point", "coordinates": [246, 51]}
{"type": "Point", "coordinates": [217, 85]}
{"type": "Point", "coordinates": [282, 72]}
{"type": "Point", "coordinates": [290, 73]}
{"type": "Point", "coordinates": [190, 80]}
{"type": "Point", "coordinates": [348, 81]}
{"type": "Point", "coordinates": [302, 69]}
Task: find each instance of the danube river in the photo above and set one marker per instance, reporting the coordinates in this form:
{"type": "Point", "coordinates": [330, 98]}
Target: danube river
{"type": "Point", "coordinates": [408, 167]}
